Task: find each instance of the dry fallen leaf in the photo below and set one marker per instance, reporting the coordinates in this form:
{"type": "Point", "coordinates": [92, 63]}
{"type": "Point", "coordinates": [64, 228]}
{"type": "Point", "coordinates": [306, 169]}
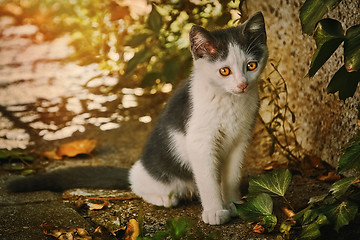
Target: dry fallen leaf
{"type": "Point", "coordinates": [51, 154]}
{"type": "Point", "coordinates": [270, 166]}
{"type": "Point", "coordinates": [67, 234]}
{"type": "Point", "coordinates": [95, 206]}
{"type": "Point", "coordinates": [71, 149]}
{"type": "Point", "coordinates": [288, 212]}
{"type": "Point", "coordinates": [330, 177]}
{"type": "Point", "coordinates": [258, 228]}
{"type": "Point", "coordinates": [275, 165]}
{"type": "Point", "coordinates": [132, 230]}
{"type": "Point", "coordinates": [98, 230]}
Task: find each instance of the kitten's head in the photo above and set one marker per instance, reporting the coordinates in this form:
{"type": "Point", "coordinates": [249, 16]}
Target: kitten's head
{"type": "Point", "coordinates": [231, 59]}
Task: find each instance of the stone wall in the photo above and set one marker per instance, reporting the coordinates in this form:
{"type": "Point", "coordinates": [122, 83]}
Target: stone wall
{"type": "Point", "coordinates": [324, 122]}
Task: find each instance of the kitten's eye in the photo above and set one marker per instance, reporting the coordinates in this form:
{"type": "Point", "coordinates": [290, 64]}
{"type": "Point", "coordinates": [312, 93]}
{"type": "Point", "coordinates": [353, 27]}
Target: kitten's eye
{"type": "Point", "coordinates": [225, 71]}
{"type": "Point", "coordinates": [251, 66]}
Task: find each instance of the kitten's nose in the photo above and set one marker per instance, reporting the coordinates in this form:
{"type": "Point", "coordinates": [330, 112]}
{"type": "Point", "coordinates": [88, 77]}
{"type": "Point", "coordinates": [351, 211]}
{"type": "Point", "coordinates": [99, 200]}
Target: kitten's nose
{"type": "Point", "coordinates": [242, 86]}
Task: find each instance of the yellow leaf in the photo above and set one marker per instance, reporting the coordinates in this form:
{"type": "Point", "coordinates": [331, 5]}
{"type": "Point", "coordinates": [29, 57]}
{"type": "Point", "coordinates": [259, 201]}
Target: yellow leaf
{"type": "Point", "coordinates": [51, 154]}
{"type": "Point", "coordinates": [330, 177]}
{"type": "Point", "coordinates": [132, 230]}
{"type": "Point", "coordinates": [71, 149]}
{"type": "Point", "coordinates": [95, 206]}
{"type": "Point", "coordinates": [258, 228]}
{"type": "Point", "coordinates": [289, 213]}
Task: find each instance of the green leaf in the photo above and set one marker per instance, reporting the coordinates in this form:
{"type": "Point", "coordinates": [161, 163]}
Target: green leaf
{"type": "Point", "coordinates": [155, 20]}
{"type": "Point", "coordinates": [352, 49]}
{"type": "Point", "coordinates": [150, 78]}
{"type": "Point", "coordinates": [309, 217]}
{"type": "Point", "coordinates": [345, 82]}
{"type": "Point", "coordinates": [310, 232]}
{"type": "Point", "coordinates": [285, 228]}
{"type": "Point", "coordinates": [322, 220]}
{"type": "Point", "coordinates": [274, 183]}
{"type": "Point", "coordinates": [15, 155]}
{"type": "Point", "coordinates": [351, 157]}
{"type": "Point", "coordinates": [312, 11]}
{"type": "Point", "coordinates": [171, 69]}
{"type": "Point", "coordinates": [328, 36]}
{"type": "Point", "coordinates": [140, 57]}
{"type": "Point", "coordinates": [311, 221]}
{"type": "Point", "coordinates": [159, 236]}
{"type": "Point", "coordinates": [255, 209]}
{"type": "Point", "coordinates": [137, 40]}
{"type": "Point", "coordinates": [4, 154]}
{"type": "Point", "coordinates": [269, 222]}
{"type": "Point", "coordinates": [340, 187]}
{"type": "Point", "coordinates": [340, 214]}
{"type": "Point", "coordinates": [318, 198]}
{"type": "Point", "coordinates": [178, 227]}
{"type": "Point", "coordinates": [15, 166]}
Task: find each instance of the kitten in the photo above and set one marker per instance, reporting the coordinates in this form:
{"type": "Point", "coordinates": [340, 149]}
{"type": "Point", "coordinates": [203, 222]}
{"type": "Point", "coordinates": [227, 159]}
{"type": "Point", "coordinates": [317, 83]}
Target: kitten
{"type": "Point", "coordinates": [197, 146]}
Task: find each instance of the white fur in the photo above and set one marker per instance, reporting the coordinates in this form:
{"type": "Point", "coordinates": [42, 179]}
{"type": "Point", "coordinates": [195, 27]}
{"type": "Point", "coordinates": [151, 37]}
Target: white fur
{"type": "Point", "coordinates": [155, 192]}
{"type": "Point", "coordinates": [218, 132]}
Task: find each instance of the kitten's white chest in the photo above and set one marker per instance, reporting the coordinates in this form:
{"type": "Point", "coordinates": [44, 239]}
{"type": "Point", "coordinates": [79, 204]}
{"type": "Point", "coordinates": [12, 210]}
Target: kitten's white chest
{"type": "Point", "coordinates": [231, 115]}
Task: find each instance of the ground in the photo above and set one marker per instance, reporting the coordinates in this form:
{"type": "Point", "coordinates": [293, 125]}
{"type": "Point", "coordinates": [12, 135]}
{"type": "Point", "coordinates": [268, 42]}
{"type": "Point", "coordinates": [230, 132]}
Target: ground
{"type": "Point", "coordinates": [46, 101]}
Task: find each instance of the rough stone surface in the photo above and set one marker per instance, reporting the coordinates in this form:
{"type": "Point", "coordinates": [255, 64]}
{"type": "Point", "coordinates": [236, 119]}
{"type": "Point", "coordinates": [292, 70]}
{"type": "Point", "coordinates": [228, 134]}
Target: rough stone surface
{"type": "Point", "coordinates": [324, 123]}
{"type": "Point", "coordinates": [21, 215]}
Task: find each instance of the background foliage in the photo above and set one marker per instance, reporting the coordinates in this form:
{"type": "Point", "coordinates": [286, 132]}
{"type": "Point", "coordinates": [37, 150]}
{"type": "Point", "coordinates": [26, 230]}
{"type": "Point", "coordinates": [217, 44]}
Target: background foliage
{"type": "Point", "coordinates": [150, 47]}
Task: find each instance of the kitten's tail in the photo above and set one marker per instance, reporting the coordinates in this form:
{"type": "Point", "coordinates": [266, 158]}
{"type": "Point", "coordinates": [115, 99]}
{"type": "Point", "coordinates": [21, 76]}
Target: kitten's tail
{"type": "Point", "coordinates": [76, 177]}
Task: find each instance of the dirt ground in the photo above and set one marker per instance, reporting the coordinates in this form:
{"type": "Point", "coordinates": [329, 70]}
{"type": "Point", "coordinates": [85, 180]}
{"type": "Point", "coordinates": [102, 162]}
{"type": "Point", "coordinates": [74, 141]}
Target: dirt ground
{"type": "Point", "coordinates": [23, 215]}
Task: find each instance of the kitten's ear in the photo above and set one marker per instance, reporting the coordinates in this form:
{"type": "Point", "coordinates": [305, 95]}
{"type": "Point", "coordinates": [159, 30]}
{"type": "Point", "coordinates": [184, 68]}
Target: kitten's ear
{"type": "Point", "coordinates": [202, 43]}
{"type": "Point", "coordinates": [255, 26]}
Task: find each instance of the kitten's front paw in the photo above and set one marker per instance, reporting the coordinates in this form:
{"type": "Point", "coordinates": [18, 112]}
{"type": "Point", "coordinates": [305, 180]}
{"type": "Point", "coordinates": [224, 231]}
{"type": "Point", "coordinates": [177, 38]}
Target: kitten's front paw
{"type": "Point", "coordinates": [162, 200]}
{"type": "Point", "coordinates": [232, 209]}
{"type": "Point", "coordinates": [216, 217]}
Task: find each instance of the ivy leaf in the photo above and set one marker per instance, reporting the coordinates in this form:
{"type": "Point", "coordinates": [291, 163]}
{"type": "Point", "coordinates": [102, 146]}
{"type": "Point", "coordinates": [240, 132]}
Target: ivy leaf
{"type": "Point", "coordinates": [340, 187]}
{"type": "Point", "coordinates": [274, 183]}
{"type": "Point", "coordinates": [351, 157]}
{"type": "Point", "coordinates": [256, 208]}
{"type": "Point", "coordinates": [154, 21]}
{"type": "Point", "coordinates": [312, 221]}
{"type": "Point", "coordinates": [318, 198]}
{"type": "Point", "coordinates": [340, 214]}
{"type": "Point", "coordinates": [140, 57]}
{"type": "Point", "coordinates": [328, 36]}
{"type": "Point", "coordinates": [352, 49]}
{"type": "Point", "coordinates": [259, 209]}
{"type": "Point", "coordinates": [269, 222]}
{"type": "Point", "coordinates": [345, 82]}
{"type": "Point", "coordinates": [311, 216]}
{"type": "Point", "coordinates": [308, 217]}
{"type": "Point", "coordinates": [310, 232]}
{"type": "Point", "coordinates": [285, 228]}
{"type": "Point", "coordinates": [312, 11]}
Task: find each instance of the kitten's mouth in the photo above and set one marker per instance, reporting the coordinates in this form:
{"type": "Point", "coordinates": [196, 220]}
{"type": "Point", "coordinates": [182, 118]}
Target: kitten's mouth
{"type": "Point", "coordinates": [241, 88]}
{"type": "Point", "coordinates": [238, 92]}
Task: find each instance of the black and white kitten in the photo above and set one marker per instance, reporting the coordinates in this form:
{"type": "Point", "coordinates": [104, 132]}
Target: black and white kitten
{"type": "Point", "coordinates": [198, 144]}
